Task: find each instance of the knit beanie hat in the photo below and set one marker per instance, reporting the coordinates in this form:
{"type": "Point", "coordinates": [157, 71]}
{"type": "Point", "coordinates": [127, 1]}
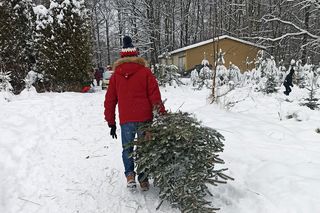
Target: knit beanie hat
{"type": "Point", "coordinates": [128, 49]}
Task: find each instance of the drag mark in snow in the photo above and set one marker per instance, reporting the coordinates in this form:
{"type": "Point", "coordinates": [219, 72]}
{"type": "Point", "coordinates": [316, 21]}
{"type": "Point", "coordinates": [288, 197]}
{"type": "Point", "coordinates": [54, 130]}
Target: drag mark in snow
{"type": "Point", "coordinates": [29, 201]}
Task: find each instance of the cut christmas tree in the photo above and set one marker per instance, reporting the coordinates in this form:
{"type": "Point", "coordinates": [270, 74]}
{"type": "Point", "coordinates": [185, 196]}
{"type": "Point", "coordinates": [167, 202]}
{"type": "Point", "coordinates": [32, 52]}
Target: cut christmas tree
{"type": "Point", "coordinates": [180, 155]}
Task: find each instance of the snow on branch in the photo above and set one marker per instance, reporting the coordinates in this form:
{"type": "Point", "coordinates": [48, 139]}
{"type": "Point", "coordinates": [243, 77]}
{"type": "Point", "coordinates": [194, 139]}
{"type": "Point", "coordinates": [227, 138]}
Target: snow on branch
{"type": "Point", "coordinates": [308, 3]}
{"type": "Point", "coordinates": [299, 32]}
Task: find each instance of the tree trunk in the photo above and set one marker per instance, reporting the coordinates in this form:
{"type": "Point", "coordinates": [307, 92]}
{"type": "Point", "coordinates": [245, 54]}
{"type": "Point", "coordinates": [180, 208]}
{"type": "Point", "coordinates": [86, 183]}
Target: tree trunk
{"type": "Point", "coordinates": [214, 68]}
{"type": "Point", "coordinates": [305, 37]}
{"type": "Point", "coordinates": [108, 42]}
{"type": "Point", "coordinates": [98, 37]}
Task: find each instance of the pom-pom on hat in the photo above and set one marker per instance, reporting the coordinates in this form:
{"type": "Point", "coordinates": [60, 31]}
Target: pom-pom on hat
{"type": "Point", "coordinates": [128, 49]}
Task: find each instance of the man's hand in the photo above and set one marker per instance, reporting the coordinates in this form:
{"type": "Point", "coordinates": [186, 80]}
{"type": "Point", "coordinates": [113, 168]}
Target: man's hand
{"type": "Point", "coordinates": [113, 131]}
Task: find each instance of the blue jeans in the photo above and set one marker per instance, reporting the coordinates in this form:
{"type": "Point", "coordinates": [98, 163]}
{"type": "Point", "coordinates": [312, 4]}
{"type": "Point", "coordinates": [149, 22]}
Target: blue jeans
{"type": "Point", "coordinates": [128, 133]}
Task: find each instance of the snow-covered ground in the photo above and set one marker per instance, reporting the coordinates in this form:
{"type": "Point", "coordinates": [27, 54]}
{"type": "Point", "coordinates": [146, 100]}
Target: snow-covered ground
{"type": "Point", "coordinates": [56, 154]}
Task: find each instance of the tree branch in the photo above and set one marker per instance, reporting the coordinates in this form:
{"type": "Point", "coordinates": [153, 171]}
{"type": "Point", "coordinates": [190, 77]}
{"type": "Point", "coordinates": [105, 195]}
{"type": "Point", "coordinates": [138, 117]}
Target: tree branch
{"type": "Point", "coordinates": [301, 31]}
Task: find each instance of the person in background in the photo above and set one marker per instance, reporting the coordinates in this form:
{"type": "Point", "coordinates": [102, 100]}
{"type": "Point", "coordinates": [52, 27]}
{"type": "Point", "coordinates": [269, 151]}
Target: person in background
{"type": "Point", "coordinates": [136, 92]}
{"type": "Point", "coordinates": [91, 74]}
{"type": "Point", "coordinates": [288, 80]}
{"type": "Point", "coordinates": [98, 75]}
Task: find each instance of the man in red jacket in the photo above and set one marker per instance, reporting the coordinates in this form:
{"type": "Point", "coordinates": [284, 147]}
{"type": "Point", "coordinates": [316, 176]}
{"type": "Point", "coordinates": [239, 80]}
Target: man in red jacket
{"type": "Point", "coordinates": [134, 88]}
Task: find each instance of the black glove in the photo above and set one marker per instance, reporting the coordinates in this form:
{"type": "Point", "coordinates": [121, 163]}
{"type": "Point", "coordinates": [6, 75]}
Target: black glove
{"type": "Point", "coordinates": [113, 131]}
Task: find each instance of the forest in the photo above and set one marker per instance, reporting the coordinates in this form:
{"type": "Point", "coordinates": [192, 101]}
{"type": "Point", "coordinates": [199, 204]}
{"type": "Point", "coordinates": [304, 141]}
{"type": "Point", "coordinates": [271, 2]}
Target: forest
{"type": "Point", "coordinates": [288, 28]}
{"type": "Point", "coordinates": [37, 30]}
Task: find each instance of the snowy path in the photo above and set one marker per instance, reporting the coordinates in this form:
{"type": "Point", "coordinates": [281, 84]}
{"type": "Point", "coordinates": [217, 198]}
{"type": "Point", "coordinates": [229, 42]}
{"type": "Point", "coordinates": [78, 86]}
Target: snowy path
{"type": "Point", "coordinates": [56, 156]}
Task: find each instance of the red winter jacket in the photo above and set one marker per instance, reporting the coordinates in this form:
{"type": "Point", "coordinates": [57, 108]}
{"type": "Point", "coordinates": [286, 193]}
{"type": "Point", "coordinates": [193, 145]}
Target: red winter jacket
{"type": "Point", "coordinates": [134, 88]}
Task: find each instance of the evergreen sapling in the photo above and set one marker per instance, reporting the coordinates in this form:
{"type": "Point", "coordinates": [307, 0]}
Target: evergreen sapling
{"type": "Point", "coordinates": [167, 74]}
{"type": "Point", "coordinates": [271, 74]}
{"type": "Point", "coordinates": [312, 101]}
{"type": "Point", "coordinates": [5, 86]}
{"type": "Point", "coordinates": [205, 75]}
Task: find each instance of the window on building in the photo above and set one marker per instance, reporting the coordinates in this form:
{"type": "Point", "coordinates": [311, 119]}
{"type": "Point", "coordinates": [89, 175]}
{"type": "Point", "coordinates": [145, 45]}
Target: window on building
{"type": "Point", "coordinates": [182, 63]}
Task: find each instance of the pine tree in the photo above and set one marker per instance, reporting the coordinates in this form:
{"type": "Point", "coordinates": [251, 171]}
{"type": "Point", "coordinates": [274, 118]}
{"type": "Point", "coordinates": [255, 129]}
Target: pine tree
{"type": "Point", "coordinates": [205, 75]}
{"type": "Point", "coordinates": [180, 156]}
{"type": "Point", "coordinates": [282, 71]}
{"type": "Point", "coordinates": [16, 39]}
{"type": "Point", "coordinates": [222, 75]}
{"type": "Point", "coordinates": [167, 74]}
{"type": "Point", "coordinates": [5, 86]}
{"type": "Point", "coordinates": [234, 73]}
{"type": "Point", "coordinates": [260, 62]}
{"type": "Point", "coordinates": [64, 45]}
{"type": "Point", "coordinates": [194, 77]}
{"type": "Point", "coordinates": [271, 84]}
{"type": "Point", "coordinates": [300, 75]}
{"type": "Point", "coordinates": [312, 101]}
{"type": "Point", "coordinates": [270, 77]}
{"type": "Point", "coordinates": [32, 80]}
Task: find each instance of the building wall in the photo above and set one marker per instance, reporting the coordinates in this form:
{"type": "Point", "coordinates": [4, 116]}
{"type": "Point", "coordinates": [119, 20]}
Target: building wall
{"type": "Point", "coordinates": [176, 59]}
{"type": "Point", "coordinates": [235, 52]}
{"type": "Point", "coordinates": [196, 55]}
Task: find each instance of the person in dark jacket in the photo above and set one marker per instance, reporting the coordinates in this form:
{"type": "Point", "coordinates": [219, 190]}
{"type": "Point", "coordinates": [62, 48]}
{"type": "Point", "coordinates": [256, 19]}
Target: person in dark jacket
{"type": "Point", "coordinates": [288, 82]}
{"type": "Point", "coordinates": [135, 90]}
{"type": "Point", "coordinates": [98, 75]}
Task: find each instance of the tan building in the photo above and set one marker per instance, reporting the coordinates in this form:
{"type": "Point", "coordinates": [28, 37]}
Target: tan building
{"type": "Point", "coordinates": [236, 51]}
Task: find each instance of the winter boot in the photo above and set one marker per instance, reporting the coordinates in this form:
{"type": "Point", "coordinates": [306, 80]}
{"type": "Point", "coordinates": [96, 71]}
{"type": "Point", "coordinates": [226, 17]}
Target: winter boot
{"type": "Point", "coordinates": [131, 182]}
{"type": "Point", "coordinates": [144, 185]}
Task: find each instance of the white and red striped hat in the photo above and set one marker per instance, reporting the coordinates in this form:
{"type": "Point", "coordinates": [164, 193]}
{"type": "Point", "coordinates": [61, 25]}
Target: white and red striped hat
{"type": "Point", "coordinates": [128, 50]}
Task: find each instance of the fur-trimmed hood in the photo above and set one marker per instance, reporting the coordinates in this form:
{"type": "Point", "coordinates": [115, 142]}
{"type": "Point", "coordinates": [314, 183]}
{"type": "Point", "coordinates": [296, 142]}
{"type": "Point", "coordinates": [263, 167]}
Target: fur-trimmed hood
{"type": "Point", "coordinates": [137, 60]}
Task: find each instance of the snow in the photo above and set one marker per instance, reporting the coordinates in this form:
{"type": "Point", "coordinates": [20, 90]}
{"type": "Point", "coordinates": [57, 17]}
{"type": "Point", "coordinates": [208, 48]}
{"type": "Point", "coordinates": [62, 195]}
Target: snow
{"type": "Point", "coordinates": [60, 17]}
{"type": "Point", "coordinates": [40, 10]}
{"type": "Point", "coordinates": [53, 4]}
{"type": "Point", "coordinates": [43, 17]}
{"type": "Point", "coordinates": [56, 154]}
{"type": "Point", "coordinates": [205, 62]}
{"type": "Point", "coordinates": [215, 39]}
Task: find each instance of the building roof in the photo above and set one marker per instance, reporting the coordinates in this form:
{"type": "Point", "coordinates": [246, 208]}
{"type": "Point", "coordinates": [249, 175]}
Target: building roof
{"type": "Point", "coordinates": [215, 39]}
